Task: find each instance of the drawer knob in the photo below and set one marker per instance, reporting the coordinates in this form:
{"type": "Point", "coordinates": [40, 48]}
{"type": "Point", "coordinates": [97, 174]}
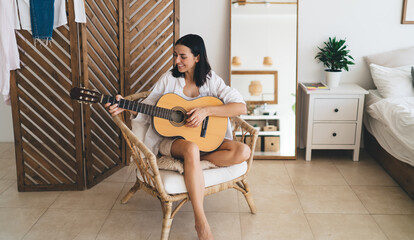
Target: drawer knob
{"type": "Point", "coordinates": [334, 134]}
{"type": "Point", "coordinates": [336, 110]}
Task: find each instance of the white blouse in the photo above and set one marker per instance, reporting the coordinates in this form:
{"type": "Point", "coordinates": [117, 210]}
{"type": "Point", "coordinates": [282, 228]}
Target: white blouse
{"type": "Point", "coordinates": [214, 86]}
{"type": "Point", "coordinates": [9, 53]}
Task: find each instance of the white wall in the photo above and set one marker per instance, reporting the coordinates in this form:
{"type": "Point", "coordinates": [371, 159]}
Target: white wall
{"type": "Point", "coordinates": [370, 26]}
{"type": "Point", "coordinates": [211, 20]}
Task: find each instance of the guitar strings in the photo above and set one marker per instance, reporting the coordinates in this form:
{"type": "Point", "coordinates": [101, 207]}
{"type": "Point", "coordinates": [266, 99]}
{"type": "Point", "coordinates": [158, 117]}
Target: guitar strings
{"type": "Point", "coordinates": [141, 107]}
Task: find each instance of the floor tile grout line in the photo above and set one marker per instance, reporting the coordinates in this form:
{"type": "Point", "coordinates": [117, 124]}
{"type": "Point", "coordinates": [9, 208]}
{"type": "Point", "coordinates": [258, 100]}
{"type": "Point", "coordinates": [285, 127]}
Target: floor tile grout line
{"type": "Point", "coordinates": [340, 172]}
{"type": "Point", "coordinates": [37, 220]}
{"type": "Point", "coordinates": [300, 202]}
{"type": "Point", "coordinates": [379, 226]}
{"type": "Point", "coordinates": [352, 190]}
{"type": "Point", "coordinates": [120, 192]}
{"type": "Point", "coordinates": [103, 223]}
{"type": "Point", "coordinates": [1, 193]}
{"type": "Point", "coordinates": [111, 209]}
{"type": "Point", "coordinates": [238, 206]}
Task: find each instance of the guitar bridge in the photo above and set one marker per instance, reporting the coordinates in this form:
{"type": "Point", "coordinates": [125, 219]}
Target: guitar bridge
{"type": "Point", "coordinates": [204, 128]}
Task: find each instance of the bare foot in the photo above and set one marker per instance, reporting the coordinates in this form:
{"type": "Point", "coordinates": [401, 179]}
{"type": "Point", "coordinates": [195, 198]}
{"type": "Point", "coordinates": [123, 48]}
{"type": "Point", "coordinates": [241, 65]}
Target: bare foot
{"type": "Point", "coordinates": [204, 232]}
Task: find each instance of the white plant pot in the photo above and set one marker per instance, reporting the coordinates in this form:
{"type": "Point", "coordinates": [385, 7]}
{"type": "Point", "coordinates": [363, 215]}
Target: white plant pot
{"type": "Point", "coordinates": [332, 79]}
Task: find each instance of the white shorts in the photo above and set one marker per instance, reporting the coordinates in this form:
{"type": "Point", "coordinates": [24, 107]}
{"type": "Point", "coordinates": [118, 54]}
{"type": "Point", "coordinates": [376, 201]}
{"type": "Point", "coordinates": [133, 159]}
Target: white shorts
{"type": "Point", "coordinates": [165, 146]}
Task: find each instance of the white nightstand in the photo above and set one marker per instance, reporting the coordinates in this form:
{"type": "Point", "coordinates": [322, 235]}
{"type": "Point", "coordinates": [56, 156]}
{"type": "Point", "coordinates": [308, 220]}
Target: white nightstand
{"type": "Point", "coordinates": [332, 119]}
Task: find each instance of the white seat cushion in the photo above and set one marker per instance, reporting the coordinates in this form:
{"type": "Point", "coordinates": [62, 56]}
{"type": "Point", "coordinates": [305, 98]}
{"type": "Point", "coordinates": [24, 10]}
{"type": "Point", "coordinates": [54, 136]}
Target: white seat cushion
{"type": "Point", "coordinates": [174, 181]}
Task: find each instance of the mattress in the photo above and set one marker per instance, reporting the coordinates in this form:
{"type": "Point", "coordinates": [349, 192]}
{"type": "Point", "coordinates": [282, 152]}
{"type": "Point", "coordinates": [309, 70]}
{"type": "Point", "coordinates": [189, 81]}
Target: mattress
{"type": "Point", "coordinates": [386, 130]}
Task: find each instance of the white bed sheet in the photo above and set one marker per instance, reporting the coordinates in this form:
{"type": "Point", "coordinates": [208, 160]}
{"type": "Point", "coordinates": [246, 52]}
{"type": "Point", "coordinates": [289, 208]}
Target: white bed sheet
{"type": "Point", "coordinates": [396, 139]}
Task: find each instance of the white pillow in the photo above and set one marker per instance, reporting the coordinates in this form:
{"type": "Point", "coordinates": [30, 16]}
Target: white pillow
{"type": "Point", "coordinates": [395, 58]}
{"type": "Point", "coordinates": [392, 82]}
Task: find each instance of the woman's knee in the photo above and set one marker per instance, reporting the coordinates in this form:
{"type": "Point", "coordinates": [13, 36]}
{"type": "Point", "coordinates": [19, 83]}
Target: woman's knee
{"type": "Point", "coordinates": [191, 149]}
{"type": "Point", "coordinates": [185, 149]}
{"type": "Point", "coordinates": [241, 152]}
{"type": "Point", "coordinates": [190, 152]}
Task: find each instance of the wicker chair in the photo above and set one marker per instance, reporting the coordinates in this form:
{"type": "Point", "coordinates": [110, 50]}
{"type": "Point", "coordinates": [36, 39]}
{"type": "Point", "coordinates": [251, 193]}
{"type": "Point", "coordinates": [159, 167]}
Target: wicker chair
{"type": "Point", "coordinates": [150, 180]}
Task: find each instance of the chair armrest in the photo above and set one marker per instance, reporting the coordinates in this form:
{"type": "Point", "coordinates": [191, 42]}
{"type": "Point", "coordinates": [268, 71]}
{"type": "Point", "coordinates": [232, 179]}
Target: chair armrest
{"type": "Point", "coordinates": [144, 159]}
{"type": "Point", "coordinates": [246, 130]}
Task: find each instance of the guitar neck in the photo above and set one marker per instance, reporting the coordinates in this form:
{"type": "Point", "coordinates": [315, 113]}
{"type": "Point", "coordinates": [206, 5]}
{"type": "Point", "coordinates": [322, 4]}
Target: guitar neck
{"type": "Point", "coordinates": [139, 107]}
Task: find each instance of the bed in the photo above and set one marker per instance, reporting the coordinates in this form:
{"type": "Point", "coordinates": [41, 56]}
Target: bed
{"type": "Point", "coordinates": [389, 115]}
{"type": "Point", "coordinates": [383, 138]}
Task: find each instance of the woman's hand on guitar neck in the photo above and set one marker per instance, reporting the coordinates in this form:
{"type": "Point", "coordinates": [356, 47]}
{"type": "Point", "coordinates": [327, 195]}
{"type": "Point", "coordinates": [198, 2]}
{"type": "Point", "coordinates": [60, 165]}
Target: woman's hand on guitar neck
{"type": "Point", "coordinates": [114, 109]}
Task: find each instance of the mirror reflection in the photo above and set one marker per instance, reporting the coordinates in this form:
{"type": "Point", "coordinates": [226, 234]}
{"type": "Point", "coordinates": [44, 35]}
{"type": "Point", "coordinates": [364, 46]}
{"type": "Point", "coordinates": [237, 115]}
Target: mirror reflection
{"type": "Point", "coordinates": [256, 86]}
{"type": "Point", "coordinates": [263, 68]}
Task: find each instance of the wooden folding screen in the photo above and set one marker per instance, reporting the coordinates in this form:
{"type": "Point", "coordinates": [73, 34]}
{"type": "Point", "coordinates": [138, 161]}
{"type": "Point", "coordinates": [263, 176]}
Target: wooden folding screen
{"type": "Point", "coordinates": [123, 48]}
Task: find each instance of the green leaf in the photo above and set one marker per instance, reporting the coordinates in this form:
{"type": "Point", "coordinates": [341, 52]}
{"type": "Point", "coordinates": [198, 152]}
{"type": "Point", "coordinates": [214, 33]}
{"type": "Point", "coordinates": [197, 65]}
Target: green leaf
{"type": "Point", "coordinates": [335, 55]}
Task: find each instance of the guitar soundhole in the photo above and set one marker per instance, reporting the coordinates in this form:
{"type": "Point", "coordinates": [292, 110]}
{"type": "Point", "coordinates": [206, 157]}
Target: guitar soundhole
{"type": "Point", "coordinates": [178, 116]}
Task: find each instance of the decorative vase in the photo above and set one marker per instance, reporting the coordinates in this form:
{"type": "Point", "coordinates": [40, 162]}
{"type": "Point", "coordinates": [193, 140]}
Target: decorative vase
{"type": "Point", "coordinates": [332, 78]}
{"type": "Point", "coordinates": [255, 88]}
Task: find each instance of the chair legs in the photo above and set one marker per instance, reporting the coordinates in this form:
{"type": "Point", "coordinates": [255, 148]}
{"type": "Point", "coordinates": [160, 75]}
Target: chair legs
{"type": "Point", "coordinates": [249, 197]}
{"type": "Point", "coordinates": [250, 202]}
{"type": "Point", "coordinates": [130, 193]}
{"type": "Point", "coordinates": [167, 220]}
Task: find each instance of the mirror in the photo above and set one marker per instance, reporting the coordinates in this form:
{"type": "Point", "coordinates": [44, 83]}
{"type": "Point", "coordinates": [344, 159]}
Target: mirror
{"type": "Point", "coordinates": [257, 87]}
{"type": "Point", "coordinates": [263, 46]}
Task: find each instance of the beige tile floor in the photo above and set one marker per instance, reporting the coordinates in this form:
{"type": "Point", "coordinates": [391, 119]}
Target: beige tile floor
{"type": "Point", "coordinates": [330, 197]}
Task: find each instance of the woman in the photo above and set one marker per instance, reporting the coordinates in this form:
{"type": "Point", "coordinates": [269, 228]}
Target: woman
{"type": "Point", "coordinates": [191, 78]}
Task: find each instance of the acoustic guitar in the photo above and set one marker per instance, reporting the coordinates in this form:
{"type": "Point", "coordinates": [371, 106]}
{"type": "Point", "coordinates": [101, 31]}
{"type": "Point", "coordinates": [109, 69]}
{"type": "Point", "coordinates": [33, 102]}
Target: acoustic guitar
{"type": "Point", "coordinates": [169, 116]}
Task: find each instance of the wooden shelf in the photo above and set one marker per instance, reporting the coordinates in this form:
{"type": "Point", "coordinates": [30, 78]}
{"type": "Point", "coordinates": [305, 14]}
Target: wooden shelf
{"type": "Point", "coordinates": [266, 138]}
{"type": "Point", "coordinates": [262, 133]}
{"type": "Point", "coordinates": [259, 117]}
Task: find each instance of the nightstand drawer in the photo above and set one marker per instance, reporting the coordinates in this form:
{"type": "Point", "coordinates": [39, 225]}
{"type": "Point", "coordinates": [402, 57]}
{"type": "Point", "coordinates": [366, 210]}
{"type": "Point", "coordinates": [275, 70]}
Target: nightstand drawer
{"type": "Point", "coordinates": [336, 109]}
{"type": "Point", "coordinates": [333, 134]}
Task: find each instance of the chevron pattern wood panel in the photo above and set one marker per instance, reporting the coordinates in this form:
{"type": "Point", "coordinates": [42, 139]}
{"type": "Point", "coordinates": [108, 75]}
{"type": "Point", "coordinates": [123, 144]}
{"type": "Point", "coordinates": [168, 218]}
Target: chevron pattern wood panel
{"type": "Point", "coordinates": [103, 59]}
{"type": "Point", "coordinates": [151, 28]}
{"type": "Point", "coordinates": [123, 48]}
{"type": "Point", "coordinates": [48, 129]}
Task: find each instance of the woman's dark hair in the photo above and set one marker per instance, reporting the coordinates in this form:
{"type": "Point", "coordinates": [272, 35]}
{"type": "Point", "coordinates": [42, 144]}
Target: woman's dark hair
{"type": "Point", "coordinates": [202, 70]}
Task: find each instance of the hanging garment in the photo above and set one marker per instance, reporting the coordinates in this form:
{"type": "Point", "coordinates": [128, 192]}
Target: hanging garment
{"type": "Point", "coordinates": [41, 18]}
{"type": "Point", "coordinates": [59, 14]}
{"type": "Point", "coordinates": [9, 54]}
{"type": "Point", "coordinates": [60, 17]}
{"type": "Point", "coordinates": [80, 15]}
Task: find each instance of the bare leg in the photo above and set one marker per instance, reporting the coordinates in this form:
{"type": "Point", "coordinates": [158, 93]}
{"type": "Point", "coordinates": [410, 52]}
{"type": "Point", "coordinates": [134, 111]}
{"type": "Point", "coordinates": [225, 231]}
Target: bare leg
{"type": "Point", "coordinates": [229, 153]}
{"type": "Point", "coordinates": [194, 181]}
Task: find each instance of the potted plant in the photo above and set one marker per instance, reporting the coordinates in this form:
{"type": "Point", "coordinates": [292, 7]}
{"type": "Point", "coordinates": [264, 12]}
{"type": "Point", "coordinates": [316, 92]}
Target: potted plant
{"type": "Point", "coordinates": [335, 57]}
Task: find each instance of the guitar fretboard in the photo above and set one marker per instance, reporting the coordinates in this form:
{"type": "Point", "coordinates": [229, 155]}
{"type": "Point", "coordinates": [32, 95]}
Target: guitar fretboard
{"type": "Point", "coordinates": [139, 107]}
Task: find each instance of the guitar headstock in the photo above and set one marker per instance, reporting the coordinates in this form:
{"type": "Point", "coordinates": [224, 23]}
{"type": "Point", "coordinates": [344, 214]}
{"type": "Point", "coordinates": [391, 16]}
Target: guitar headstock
{"type": "Point", "coordinates": [85, 95]}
